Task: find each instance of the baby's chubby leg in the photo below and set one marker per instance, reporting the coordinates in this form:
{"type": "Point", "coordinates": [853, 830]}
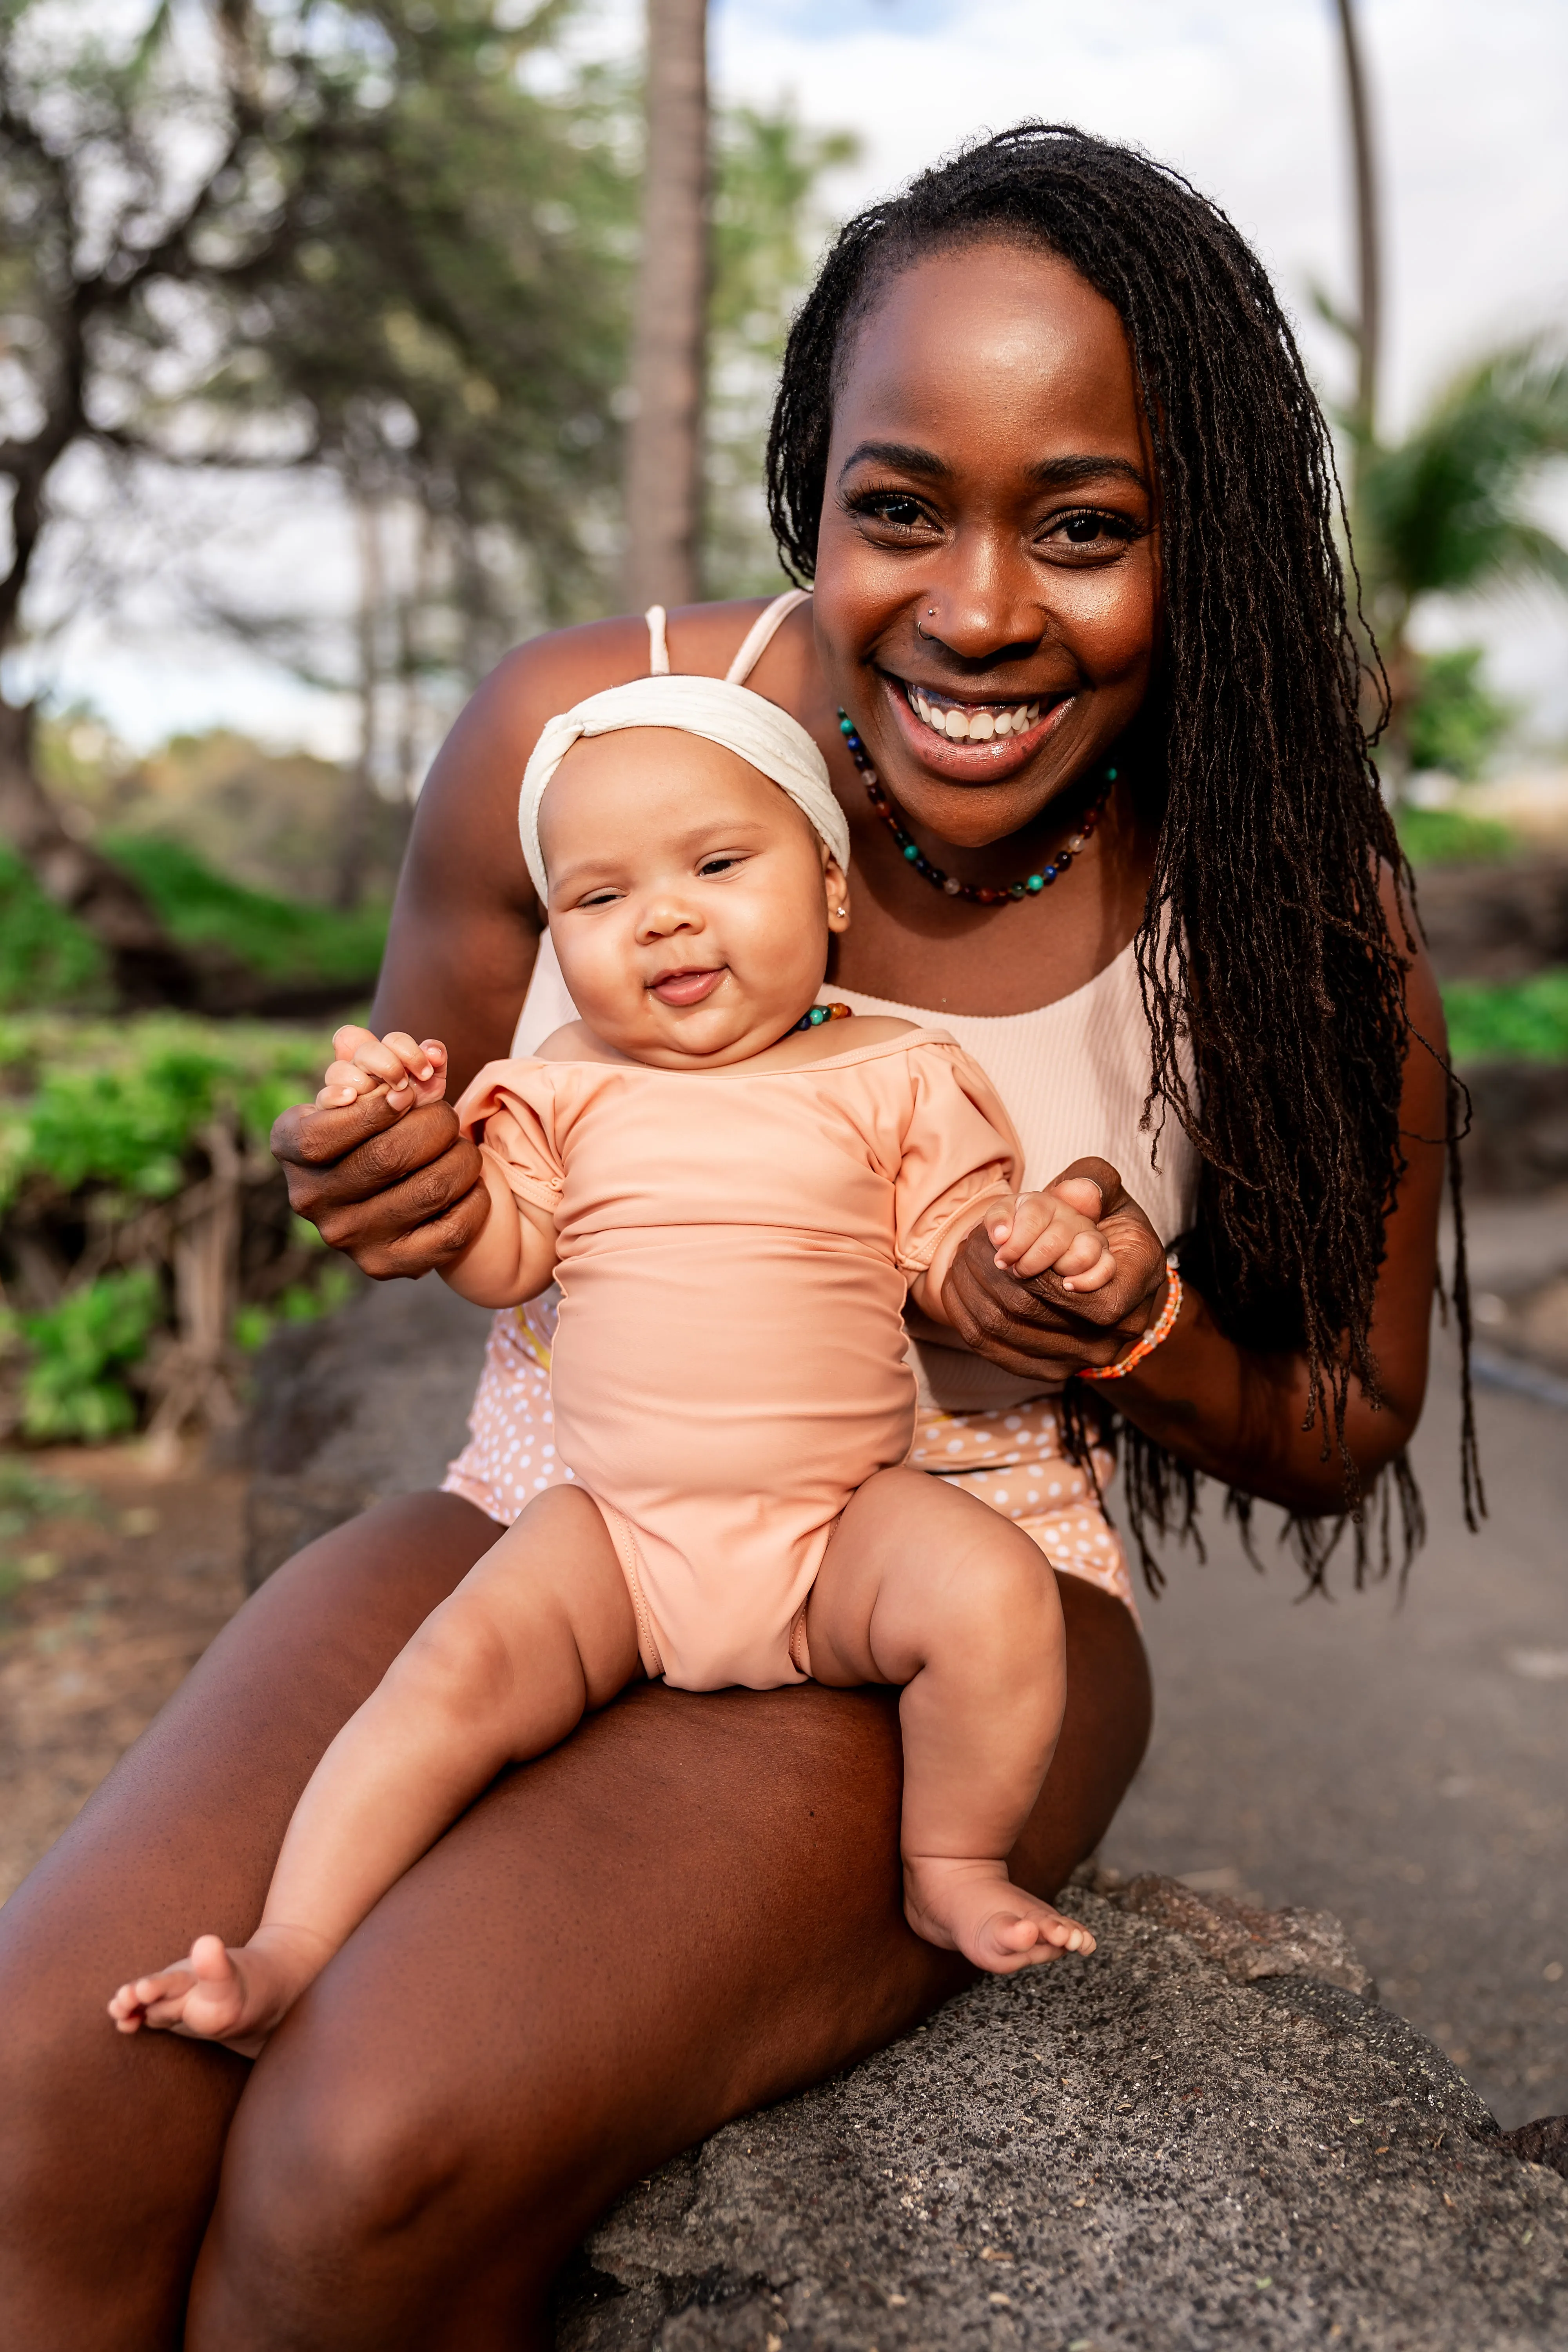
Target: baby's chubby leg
{"type": "Point", "coordinates": [924, 1586]}
{"type": "Point", "coordinates": [540, 1632]}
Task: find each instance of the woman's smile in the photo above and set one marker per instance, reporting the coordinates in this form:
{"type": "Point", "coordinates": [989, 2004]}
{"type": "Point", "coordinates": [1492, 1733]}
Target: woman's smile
{"type": "Point", "coordinates": [971, 740]}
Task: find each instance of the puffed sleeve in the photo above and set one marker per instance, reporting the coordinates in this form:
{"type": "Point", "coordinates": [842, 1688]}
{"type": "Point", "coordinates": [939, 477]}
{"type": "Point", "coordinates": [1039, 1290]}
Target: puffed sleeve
{"type": "Point", "coordinates": [960, 1153]}
{"type": "Point", "coordinates": [509, 1112]}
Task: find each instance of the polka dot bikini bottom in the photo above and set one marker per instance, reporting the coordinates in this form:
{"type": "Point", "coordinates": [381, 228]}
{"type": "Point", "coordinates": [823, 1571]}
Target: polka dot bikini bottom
{"type": "Point", "coordinates": [1011, 1460]}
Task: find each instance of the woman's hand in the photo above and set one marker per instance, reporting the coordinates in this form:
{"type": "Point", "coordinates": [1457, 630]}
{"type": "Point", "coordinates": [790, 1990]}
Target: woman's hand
{"type": "Point", "coordinates": [1037, 1328]}
{"type": "Point", "coordinates": [400, 1192]}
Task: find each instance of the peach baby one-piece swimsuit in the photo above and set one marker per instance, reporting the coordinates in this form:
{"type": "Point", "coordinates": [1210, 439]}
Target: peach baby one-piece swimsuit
{"type": "Point", "coordinates": [1074, 1076]}
{"type": "Point", "coordinates": [730, 1359]}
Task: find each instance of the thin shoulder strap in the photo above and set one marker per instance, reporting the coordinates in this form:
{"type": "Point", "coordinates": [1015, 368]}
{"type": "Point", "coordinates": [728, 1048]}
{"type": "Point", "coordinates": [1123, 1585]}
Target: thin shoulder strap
{"type": "Point", "coordinates": [657, 644]}
{"type": "Point", "coordinates": [760, 635]}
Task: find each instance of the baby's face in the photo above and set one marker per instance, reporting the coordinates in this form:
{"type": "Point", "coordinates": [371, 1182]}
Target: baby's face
{"type": "Point", "coordinates": [691, 902]}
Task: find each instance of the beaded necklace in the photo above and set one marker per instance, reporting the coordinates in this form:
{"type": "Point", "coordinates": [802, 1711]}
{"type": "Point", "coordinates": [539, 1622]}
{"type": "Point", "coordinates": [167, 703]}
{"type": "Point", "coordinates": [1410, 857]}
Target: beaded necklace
{"type": "Point", "coordinates": [978, 894]}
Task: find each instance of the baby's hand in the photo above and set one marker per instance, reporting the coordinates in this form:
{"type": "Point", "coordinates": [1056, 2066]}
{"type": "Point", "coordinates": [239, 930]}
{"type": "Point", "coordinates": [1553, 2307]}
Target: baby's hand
{"type": "Point", "coordinates": [1055, 1230]}
{"type": "Point", "coordinates": [410, 1073]}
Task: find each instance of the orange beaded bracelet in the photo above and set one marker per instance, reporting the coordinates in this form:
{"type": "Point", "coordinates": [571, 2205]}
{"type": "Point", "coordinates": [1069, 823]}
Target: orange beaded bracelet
{"type": "Point", "coordinates": [1158, 1332]}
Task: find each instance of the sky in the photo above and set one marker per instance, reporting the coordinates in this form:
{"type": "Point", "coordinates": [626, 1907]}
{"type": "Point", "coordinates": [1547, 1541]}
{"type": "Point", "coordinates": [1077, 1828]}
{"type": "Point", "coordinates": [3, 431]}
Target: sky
{"type": "Point", "coordinates": [1470, 99]}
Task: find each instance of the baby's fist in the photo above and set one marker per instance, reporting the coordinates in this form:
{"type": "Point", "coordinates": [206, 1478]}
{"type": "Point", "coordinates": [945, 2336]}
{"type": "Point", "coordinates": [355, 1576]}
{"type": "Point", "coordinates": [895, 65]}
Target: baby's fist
{"type": "Point", "coordinates": [411, 1072]}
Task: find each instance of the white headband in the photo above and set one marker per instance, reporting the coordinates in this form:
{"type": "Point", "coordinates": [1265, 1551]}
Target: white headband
{"type": "Point", "coordinates": [743, 722]}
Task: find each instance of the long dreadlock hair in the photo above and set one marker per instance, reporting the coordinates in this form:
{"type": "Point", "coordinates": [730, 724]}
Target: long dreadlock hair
{"type": "Point", "coordinates": [1264, 944]}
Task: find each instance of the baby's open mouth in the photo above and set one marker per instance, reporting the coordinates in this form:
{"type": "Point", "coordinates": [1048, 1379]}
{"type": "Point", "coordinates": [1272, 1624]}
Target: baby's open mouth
{"type": "Point", "coordinates": [688, 986]}
{"type": "Point", "coordinates": [973, 723]}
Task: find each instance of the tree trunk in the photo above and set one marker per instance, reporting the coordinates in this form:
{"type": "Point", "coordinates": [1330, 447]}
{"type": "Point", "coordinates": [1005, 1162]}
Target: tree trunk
{"type": "Point", "coordinates": [1369, 242]}
{"type": "Point", "coordinates": [664, 441]}
{"type": "Point", "coordinates": [147, 966]}
{"type": "Point", "coordinates": [359, 806]}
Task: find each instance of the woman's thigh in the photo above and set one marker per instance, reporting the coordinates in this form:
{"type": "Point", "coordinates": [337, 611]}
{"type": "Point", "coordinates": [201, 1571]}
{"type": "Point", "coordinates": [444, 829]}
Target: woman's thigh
{"type": "Point", "coordinates": [691, 1908]}
{"type": "Point", "coordinates": [112, 2146]}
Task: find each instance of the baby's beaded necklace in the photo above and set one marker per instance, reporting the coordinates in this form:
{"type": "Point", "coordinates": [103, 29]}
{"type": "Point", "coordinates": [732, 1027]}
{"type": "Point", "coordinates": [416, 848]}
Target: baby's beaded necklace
{"type": "Point", "coordinates": [978, 894]}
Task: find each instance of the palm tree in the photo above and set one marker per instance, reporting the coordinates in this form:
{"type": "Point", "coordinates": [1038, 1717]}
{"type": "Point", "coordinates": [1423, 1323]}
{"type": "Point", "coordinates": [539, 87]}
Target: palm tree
{"type": "Point", "coordinates": [664, 440]}
{"type": "Point", "coordinates": [1446, 511]}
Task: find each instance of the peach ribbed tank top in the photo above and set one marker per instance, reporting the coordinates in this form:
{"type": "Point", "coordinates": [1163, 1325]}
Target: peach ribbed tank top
{"type": "Point", "coordinates": [1073, 1076]}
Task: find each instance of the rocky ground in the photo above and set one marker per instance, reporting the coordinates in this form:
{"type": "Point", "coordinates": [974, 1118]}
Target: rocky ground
{"type": "Point", "coordinates": [1151, 2151]}
{"type": "Point", "coordinates": [113, 1579]}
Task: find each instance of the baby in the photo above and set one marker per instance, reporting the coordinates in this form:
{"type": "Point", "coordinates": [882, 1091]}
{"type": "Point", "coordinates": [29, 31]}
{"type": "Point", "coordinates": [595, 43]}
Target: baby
{"type": "Point", "coordinates": [736, 1194]}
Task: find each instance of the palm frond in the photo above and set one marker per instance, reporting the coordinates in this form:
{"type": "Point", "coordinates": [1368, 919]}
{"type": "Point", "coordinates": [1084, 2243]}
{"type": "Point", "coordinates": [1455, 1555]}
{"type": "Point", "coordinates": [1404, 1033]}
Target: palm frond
{"type": "Point", "coordinates": [1447, 510]}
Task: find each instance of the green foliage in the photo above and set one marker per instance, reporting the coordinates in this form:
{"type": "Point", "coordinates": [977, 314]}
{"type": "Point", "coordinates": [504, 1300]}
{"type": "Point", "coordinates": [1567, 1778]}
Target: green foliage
{"type": "Point", "coordinates": [1525, 1020]}
{"type": "Point", "coordinates": [115, 1137]}
{"type": "Point", "coordinates": [122, 1104]}
{"type": "Point", "coordinates": [282, 940]}
{"type": "Point", "coordinates": [71, 1389]}
{"type": "Point", "coordinates": [45, 957]}
{"type": "Point", "coordinates": [1454, 837]}
{"type": "Point", "coordinates": [1454, 723]}
{"type": "Point", "coordinates": [1446, 511]}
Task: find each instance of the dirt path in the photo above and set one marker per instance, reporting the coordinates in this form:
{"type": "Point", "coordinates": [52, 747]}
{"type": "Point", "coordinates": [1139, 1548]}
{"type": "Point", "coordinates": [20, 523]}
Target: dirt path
{"type": "Point", "coordinates": [112, 1582]}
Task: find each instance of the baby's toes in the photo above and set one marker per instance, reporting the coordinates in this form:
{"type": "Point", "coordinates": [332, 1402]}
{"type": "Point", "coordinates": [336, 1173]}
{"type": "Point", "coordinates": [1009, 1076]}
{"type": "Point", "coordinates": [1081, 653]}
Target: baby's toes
{"type": "Point", "coordinates": [152, 2001]}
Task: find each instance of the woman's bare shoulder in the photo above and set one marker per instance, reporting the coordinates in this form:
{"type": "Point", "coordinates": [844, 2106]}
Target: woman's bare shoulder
{"type": "Point", "coordinates": [551, 672]}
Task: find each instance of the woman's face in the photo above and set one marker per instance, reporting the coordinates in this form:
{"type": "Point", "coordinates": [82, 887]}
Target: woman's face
{"type": "Point", "coordinates": [987, 579]}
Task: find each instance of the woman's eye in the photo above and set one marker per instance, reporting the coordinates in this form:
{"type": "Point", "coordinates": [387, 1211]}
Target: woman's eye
{"type": "Point", "coordinates": [1089, 529]}
{"type": "Point", "coordinates": [896, 508]}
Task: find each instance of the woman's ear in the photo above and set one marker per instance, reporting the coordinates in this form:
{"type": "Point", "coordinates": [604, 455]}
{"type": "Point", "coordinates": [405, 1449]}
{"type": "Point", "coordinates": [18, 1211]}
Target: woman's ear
{"type": "Point", "coordinates": [837, 890]}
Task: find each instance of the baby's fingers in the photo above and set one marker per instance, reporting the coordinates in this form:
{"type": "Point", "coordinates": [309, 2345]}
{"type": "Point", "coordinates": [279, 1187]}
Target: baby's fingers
{"type": "Point", "coordinates": [1018, 1229]}
{"type": "Point", "coordinates": [342, 1083]}
{"type": "Point", "coordinates": [1086, 1263]}
{"type": "Point", "coordinates": [421, 1067]}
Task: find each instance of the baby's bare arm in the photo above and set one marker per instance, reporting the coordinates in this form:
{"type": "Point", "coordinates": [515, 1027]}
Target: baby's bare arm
{"type": "Point", "coordinates": [514, 1258]}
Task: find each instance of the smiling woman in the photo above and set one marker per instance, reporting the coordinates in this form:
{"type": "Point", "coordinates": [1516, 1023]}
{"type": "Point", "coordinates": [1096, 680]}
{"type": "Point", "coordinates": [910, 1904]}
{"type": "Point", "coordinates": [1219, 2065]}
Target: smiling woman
{"type": "Point", "coordinates": [1045, 451]}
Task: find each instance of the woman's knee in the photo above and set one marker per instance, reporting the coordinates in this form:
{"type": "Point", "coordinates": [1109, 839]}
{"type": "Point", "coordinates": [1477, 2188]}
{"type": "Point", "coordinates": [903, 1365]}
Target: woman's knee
{"type": "Point", "coordinates": [350, 2178]}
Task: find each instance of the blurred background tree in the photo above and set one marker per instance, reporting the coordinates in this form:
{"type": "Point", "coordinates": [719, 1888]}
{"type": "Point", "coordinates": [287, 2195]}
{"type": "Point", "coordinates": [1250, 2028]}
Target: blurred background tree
{"type": "Point", "coordinates": [389, 246]}
{"type": "Point", "coordinates": [1447, 510]}
{"type": "Point", "coordinates": [375, 261]}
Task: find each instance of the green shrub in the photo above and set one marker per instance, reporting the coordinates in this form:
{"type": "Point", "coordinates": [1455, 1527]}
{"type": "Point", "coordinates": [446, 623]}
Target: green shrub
{"type": "Point", "coordinates": [1521, 1021]}
{"type": "Point", "coordinates": [123, 1103]}
{"type": "Point", "coordinates": [116, 1138]}
{"type": "Point", "coordinates": [71, 1389]}
{"type": "Point", "coordinates": [280, 939]}
{"type": "Point", "coordinates": [1454, 723]}
{"type": "Point", "coordinates": [45, 957]}
{"type": "Point", "coordinates": [1453, 837]}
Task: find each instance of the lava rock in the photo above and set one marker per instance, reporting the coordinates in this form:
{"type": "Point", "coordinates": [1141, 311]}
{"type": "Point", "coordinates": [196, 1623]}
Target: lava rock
{"type": "Point", "coordinates": [1147, 2150]}
{"type": "Point", "coordinates": [370, 1401]}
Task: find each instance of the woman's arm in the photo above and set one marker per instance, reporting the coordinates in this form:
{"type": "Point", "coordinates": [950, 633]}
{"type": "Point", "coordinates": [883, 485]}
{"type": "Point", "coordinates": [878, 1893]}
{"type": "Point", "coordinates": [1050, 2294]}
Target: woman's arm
{"type": "Point", "coordinates": [1236, 1412]}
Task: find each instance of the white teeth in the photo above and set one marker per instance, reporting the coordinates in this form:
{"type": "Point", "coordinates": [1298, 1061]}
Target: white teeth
{"type": "Point", "coordinates": [975, 727]}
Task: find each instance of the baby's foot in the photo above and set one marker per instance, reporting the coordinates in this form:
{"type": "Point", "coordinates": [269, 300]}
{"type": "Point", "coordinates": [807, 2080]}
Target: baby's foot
{"type": "Point", "coordinates": [975, 1908]}
{"type": "Point", "coordinates": [236, 1997]}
